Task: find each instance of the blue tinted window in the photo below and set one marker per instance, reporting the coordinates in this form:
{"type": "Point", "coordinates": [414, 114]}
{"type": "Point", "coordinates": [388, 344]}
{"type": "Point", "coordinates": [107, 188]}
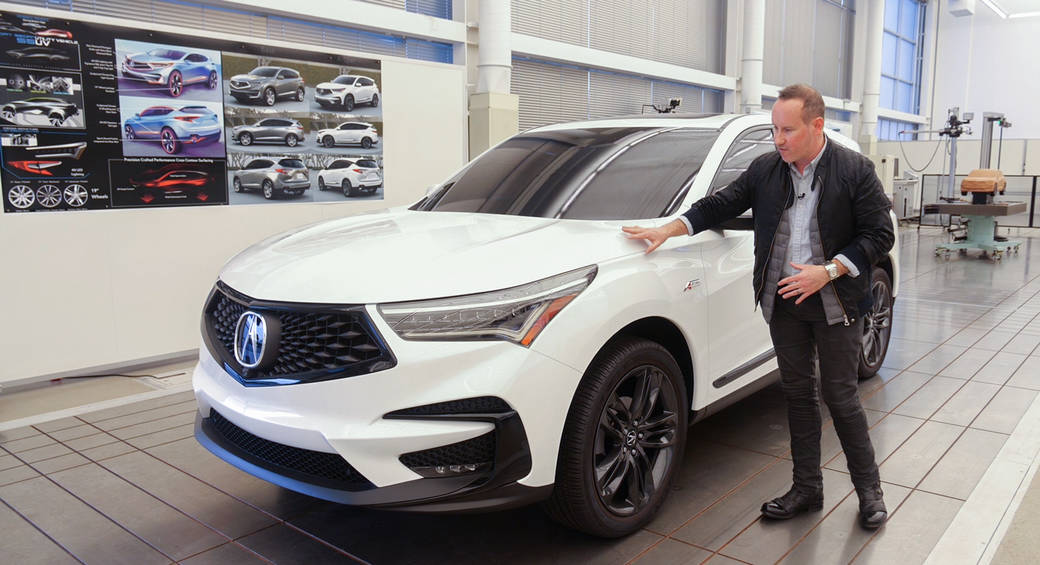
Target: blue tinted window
{"type": "Point", "coordinates": [435, 8]}
{"type": "Point", "coordinates": [888, 54]}
{"type": "Point", "coordinates": [900, 50]}
{"type": "Point", "coordinates": [905, 68]}
{"type": "Point", "coordinates": [908, 17]}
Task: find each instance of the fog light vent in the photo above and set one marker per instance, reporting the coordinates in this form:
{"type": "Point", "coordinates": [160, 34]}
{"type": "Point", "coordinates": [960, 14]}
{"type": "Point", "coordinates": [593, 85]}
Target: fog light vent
{"type": "Point", "coordinates": [465, 457]}
{"type": "Point", "coordinates": [478, 405]}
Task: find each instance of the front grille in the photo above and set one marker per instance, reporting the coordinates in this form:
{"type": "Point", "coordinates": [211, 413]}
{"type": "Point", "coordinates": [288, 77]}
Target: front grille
{"type": "Point", "coordinates": [477, 451]}
{"type": "Point", "coordinates": [239, 84]}
{"type": "Point", "coordinates": [477, 405]}
{"type": "Point", "coordinates": [327, 467]}
{"type": "Point", "coordinates": [323, 91]}
{"type": "Point", "coordinates": [139, 66]}
{"type": "Point", "coordinates": [317, 342]}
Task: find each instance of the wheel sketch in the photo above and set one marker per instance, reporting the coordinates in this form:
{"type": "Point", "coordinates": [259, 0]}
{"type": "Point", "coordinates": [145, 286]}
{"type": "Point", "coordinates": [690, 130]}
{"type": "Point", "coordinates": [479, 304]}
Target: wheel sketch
{"type": "Point", "coordinates": [48, 195]}
{"type": "Point", "coordinates": [75, 195]}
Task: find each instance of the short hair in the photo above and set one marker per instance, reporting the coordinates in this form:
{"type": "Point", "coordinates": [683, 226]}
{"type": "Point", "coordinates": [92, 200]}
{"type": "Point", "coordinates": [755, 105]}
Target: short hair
{"type": "Point", "coordinates": [812, 101]}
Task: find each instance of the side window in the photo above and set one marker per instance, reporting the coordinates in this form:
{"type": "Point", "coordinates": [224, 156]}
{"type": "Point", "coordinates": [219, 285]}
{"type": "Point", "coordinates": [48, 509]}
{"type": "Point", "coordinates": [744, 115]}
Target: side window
{"type": "Point", "coordinates": [289, 73]}
{"type": "Point", "coordinates": [750, 145]}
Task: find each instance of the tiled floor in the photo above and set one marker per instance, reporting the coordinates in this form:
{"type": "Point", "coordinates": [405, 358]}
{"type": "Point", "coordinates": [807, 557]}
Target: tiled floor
{"type": "Point", "coordinates": [129, 484]}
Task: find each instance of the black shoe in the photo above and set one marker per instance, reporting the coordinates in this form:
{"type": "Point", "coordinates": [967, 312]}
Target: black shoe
{"type": "Point", "coordinates": [872, 511]}
{"type": "Point", "coordinates": [792, 504]}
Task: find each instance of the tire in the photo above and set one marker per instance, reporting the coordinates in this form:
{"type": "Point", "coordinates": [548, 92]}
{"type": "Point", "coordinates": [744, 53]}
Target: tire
{"type": "Point", "coordinates": [348, 189]}
{"type": "Point", "coordinates": [268, 189]}
{"type": "Point", "coordinates": [245, 138]}
{"type": "Point", "coordinates": [49, 196]}
{"type": "Point", "coordinates": [366, 142]}
{"type": "Point", "coordinates": [21, 196]}
{"type": "Point", "coordinates": [291, 140]}
{"type": "Point", "coordinates": [321, 184]}
{"type": "Point", "coordinates": [175, 84]}
{"type": "Point", "coordinates": [601, 467]}
{"type": "Point", "coordinates": [16, 82]}
{"type": "Point", "coordinates": [168, 141]}
{"type": "Point", "coordinates": [236, 183]}
{"type": "Point", "coordinates": [375, 101]}
{"type": "Point", "coordinates": [300, 93]}
{"type": "Point", "coordinates": [877, 325]}
{"type": "Point", "coordinates": [269, 96]}
{"type": "Point", "coordinates": [56, 119]}
{"type": "Point", "coordinates": [348, 102]}
{"type": "Point", "coordinates": [130, 133]}
{"type": "Point", "coordinates": [76, 195]}
{"type": "Point", "coordinates": [328, 141]}
{"type": "Point", "coordinates": [7, 114]}
{"type": "Point", "coordinates": [213, 81]}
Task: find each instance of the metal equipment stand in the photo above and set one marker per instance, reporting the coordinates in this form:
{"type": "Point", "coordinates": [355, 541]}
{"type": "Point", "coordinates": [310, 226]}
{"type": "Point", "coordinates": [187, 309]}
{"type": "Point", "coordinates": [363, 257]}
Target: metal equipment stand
{"type": "Point", "coordinates": [982, 225]}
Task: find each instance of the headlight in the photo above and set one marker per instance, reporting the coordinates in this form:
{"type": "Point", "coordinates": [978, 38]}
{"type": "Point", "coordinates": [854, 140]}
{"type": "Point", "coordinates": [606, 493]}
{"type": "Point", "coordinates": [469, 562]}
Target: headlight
{"type": "Point", "coordinates": [515, 314]}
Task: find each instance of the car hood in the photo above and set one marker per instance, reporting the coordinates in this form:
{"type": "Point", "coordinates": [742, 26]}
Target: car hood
{"type": "Point", "coordinates": [332, 85]}
{"type": "Point", "coordinates": [248, 77]}
{"type": "Point", "coordinates": [146, 58]}
{"type": "Point", "coordinates": [405, 255]}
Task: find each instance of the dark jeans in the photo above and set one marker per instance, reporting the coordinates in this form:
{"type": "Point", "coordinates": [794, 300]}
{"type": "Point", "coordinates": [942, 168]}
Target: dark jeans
{"type": "Point", "coordinates": [795, 330]}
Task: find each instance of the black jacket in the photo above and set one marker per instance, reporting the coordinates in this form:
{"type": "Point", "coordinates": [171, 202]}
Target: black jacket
{"type": "Point", "coordinates": [853, 215]}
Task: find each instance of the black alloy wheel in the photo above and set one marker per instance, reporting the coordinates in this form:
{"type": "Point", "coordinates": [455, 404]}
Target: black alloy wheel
{"type": "Point", "coordinates": [877, 324]}
{"type": "Point", "coordinates": [375, 100]}
{"type": "Point", "coordinates": [175, 84]}
{"type": "Point", "coordinates": [348, 189]}
{"type": "Point", "coordinates": [348, 102]}
{"type": "Point", "coordinates": [245, 138]}
{"type": "Point", "coordinates": [328, 141]}
{"type": "Point", "coordinates": [321, 183]}
{"type": "Point", "coordinates": [623, 440]}
{"type": "Point", "coordinates": [366, 142]}
{"type": "Point", "coordinates": [269, 96]}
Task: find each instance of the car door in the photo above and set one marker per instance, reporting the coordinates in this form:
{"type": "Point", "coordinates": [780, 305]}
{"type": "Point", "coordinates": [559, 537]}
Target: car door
{"type": "Point", "coordinates": [365, 89]}
{"type": "Point", "coordinates": [336, 172]}
{"type": "Point", "coordinates": [195, 68]}
{"type": "Point", "coordinates": [152, 121]}
{"type": "Point", "coordinates": [253, 174]}
{"type": "Point", "coordinates": [739, 337]}
{"type": "Point", "coordinates": [267, 130]}
{"type": "Point", "coordinates": [347, 134]}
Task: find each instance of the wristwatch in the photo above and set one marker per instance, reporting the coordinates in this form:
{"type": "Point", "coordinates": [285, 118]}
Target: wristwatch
{"type": "Point", "coordinates": [832, 270]}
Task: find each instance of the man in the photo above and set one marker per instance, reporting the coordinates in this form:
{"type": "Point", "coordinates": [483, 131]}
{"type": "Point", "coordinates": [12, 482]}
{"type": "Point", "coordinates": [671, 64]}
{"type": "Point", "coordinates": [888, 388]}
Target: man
{"type": "Point", "coordinates": [821, 221]}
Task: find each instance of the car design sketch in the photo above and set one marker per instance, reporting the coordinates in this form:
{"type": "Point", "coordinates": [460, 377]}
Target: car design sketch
{"type": "Point", "coordinates": [274, 178]}
{"type": "Point", "coordinates": [267, 85]}
{"type": "Point", "coordinates": [38, 55]}
{"type": "Point", "coordinates": [174, 177]}
{"type": "Point", "coordinates": [174, 127]}
{"type": "Point", "coordinates": [500, 342]}
{"type": "Point", "coordinates": [57, 111]}
{"type": "Point", "coordinates": [171, 68]}
{"type": "Point", "coordinates": [48, 84]}
{"type": "Point", "coordinates": [270, 130]}
{"type": "Point", "coordinates": [53, 32]}
{"type": "Point", "coordinates": [351, 177]}
{"type": "Point", "coordinates": [346, 91]}
{"type": "Point", "coordinates": [349, 133]}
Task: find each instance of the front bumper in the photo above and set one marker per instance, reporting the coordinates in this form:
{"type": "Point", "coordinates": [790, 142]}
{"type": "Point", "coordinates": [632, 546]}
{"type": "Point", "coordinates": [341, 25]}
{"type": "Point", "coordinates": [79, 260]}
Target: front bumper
{"type": "Point", "coordinates": [152, 77]}
{"type": "Point", "coordinates": [251, 92]}
{"type": "Point", "coordinates": [351, 418]}
{"type": "Point", "coordinates": [331, 99]}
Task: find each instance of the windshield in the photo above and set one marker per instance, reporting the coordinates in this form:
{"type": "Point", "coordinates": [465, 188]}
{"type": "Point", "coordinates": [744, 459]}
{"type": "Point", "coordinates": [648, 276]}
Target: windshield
{"type": "Point", "coordinates": [166, 53]}
{"type": "Point", "coordinates": [264, 71]}
{"type": "Point", "coordinates": [344, 79]}
{"type": "Point", "coordinates": [589, 174]}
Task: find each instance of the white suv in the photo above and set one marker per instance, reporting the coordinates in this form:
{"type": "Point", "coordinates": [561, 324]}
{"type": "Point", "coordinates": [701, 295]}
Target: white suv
{"type": "Point", "coordinates": [501, 342]}
{"type": "Point", "coordinates": [349, 133]}
{"type": "Point", "coordinates": [351, 176]}
{"type": "Point", "coordinates": [346, 91]}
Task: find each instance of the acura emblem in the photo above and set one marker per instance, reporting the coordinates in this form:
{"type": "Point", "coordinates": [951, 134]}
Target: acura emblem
{"type": "Point", "coordinates": [250, 339]}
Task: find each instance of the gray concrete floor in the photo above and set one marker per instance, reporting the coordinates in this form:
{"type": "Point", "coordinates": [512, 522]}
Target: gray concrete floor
{"type": "Point", "coordinates": [129, 484]}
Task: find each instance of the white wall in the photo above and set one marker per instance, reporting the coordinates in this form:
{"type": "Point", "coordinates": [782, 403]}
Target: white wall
{"type": "Point", "coordinates": [987, 64]}
{"type": "Point", "coordinates": [93, 288]}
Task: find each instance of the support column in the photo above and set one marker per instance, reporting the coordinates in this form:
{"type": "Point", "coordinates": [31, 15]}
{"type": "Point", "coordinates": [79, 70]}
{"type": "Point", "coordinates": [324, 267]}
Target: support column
{"type": "Point", "coordinates": [494, 113]}
{"type": "Point", "coordinates": [751, 58]}
{"type": "Point", "coordinates": [872, 79]}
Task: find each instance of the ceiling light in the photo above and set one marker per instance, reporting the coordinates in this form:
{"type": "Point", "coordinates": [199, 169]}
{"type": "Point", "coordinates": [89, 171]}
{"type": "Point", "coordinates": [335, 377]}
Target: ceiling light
{"type": "Point", "coordinates": [1024, 15]}
{"type": "Point", "coordinates": [993, 6]}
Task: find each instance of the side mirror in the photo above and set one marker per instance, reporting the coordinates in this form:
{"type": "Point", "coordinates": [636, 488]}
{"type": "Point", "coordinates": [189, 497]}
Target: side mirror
{"type": "Point", "coordinates": [744, 223]}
